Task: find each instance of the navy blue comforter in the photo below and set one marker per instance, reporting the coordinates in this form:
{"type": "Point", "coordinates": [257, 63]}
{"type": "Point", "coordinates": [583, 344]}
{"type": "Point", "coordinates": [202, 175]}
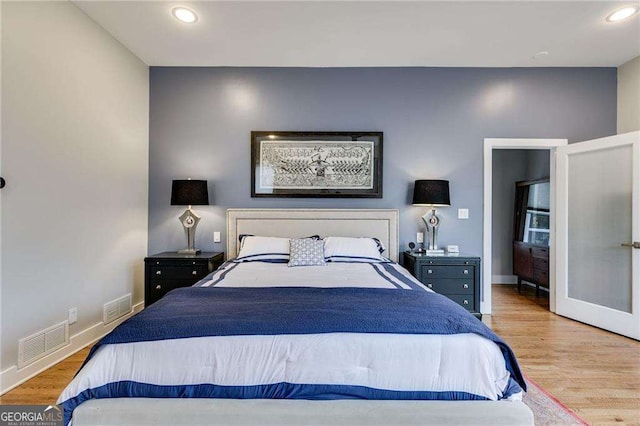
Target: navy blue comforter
{"type": "Point", "coordinates": [214, 311]}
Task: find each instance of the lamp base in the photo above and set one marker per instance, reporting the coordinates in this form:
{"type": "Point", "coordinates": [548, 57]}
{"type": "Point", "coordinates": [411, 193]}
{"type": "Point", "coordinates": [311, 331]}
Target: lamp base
{"type": "Point", "coordinates": [432, 222]}
{"type": "Point", "coordinates": [190, 251]}
{"type": "Point", "coordinates": [189, 221]}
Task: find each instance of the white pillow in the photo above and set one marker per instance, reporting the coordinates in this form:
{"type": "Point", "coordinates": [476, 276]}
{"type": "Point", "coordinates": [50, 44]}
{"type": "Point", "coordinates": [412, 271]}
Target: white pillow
{"type": "Point", "coordinates": [264, 249]}
{"type": "Point", "coordinates": [349, 249]}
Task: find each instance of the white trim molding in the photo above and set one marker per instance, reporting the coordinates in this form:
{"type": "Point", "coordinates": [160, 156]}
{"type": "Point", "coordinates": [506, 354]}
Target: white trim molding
{"type": "Point", "coordinates": [504, 279]}
{"type": "Point", "coordinates": [13, 377]}
{"type": "Point", "coordinates": [513, 143]}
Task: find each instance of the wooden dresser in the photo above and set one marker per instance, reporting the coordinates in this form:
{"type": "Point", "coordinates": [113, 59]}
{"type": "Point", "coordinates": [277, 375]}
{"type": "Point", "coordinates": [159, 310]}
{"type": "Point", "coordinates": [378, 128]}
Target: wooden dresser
{"type": "Point", "coordinates": [531, 264]}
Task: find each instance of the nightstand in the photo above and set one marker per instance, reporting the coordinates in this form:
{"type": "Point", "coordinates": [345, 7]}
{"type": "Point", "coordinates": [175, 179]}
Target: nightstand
{"type": "Point", "coordinates": [457, 277]}
{"type": "Point", "coordinates": [165, 271]}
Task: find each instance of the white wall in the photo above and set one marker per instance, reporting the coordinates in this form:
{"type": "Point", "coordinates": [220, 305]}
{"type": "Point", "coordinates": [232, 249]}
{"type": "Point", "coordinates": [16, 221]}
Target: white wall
{"type": "Point", "coordinates": [629, 96]}
{"type": "Point", "coordinates": [75, 120]}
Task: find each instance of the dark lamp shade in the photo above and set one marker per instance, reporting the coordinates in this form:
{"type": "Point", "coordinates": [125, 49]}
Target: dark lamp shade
{"type": "Point", "coordinates": [189, 193]}
{"type": "Point", "coordinates": [431, 193]}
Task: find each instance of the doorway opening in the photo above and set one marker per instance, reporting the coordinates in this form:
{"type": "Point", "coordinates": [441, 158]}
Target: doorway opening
{"type": "Point", "coordinates": [546, 148]}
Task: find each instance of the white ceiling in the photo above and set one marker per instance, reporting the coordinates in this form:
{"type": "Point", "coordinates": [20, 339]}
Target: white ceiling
{"type": "Point", "coordinates": [371, 33]}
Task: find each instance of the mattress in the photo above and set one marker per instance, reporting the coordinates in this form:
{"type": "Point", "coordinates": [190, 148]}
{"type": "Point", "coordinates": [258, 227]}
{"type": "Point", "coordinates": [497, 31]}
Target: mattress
{"type": "Point", "coordinates": [319, 365]}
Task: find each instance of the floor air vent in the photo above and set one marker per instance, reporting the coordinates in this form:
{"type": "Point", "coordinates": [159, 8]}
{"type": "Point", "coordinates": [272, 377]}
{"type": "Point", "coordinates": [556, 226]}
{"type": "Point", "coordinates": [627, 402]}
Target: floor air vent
{"type": "Point", "coordinates": [116, 308]}
{"type": "Point", "coordinates": [42, 343]}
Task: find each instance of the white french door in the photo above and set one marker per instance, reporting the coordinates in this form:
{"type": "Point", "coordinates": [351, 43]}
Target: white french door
{"type": "Point", "coordinates": [598, 225]}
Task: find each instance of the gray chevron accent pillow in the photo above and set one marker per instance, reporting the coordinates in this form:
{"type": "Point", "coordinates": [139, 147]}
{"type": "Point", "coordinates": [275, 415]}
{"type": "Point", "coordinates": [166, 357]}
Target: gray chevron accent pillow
{"type": "Point", "coordinates": [306, 252]}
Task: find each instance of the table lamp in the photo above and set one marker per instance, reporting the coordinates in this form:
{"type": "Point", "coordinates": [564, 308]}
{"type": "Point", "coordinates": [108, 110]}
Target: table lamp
{"type": "Point", "coordinates": [189, 193]}
{"type": "Point", "coordinates": [431, 193]}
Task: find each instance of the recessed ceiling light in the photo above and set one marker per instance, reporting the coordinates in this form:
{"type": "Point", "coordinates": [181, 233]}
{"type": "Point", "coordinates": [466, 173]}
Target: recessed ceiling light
{"type": "Point", "coordinates": [185, 15]}
{"type": "Point", "coordinates": [621, 14]}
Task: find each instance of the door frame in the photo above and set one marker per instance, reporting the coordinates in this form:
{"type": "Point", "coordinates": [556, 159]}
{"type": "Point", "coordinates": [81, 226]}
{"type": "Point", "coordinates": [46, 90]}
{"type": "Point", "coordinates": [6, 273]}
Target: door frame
{"type": "Point", "coordinates": [513, 143]}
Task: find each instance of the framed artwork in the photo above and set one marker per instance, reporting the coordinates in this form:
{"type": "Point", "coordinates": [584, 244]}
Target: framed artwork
{"type": "Point", "coordinates": [316, 164]}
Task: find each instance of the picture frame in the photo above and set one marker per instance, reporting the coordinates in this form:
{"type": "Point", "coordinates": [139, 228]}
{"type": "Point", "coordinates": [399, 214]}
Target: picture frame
{"type": "Point", "coordinates": [316, 164]}
{"type": "Point", "coordinates": [536, 228]}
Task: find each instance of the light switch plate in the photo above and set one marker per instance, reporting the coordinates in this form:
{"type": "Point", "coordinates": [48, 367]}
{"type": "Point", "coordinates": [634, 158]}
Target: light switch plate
{"type": "Point", "coordinates": [463, 213]}
{"type": "Point", "coordinates": [216, 237]}
{"type": "Point", "coordinates": [420, 237]}
{"type": "Point", "coordinates": [73, 315]}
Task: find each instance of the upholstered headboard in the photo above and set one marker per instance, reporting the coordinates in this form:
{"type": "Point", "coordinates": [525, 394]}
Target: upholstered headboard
{"type": "Point", "coordinates": [296, 223]}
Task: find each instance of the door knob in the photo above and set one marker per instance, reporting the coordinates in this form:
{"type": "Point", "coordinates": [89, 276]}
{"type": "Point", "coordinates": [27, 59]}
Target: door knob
{"type": "Point", "coordinates": [635, 245]}
{"type": "Point", "coordinates": [2, 183]}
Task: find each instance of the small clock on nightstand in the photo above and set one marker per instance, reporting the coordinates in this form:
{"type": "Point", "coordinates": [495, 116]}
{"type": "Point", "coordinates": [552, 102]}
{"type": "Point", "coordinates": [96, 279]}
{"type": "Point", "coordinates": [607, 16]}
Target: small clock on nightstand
{"type": "Point", "coordinates": [165, 271]}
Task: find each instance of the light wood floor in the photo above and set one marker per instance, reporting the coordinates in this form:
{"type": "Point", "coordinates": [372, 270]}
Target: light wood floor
{"type": "Point", "coordinates": [593, 372]}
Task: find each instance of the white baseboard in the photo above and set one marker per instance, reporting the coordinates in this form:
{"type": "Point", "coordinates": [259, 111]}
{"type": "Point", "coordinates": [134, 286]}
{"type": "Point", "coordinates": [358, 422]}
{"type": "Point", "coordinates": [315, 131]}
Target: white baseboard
{"type": "Point", "coordinates": [504, 279]}
{"type": "Point", "coordinates": [13, 377]}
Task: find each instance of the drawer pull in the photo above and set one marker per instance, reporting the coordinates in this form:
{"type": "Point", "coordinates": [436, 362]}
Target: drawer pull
{"type": "Point", "coordinates": [430, 285]}
{"type": "Point", "coordinates": [429, 271]}
{"type": "Point", "coordinates": [158, 272]}
{"type": "Point", "coordinates": [194, 273]}
{"type": "Point", "coordinates": [158, 287]}
{"type": "Point", "coordinates": [465, 285]}
{"type": "Point", "coordinates": [465, 302]}
{"type": "Point", "coordinates": [466, 272]}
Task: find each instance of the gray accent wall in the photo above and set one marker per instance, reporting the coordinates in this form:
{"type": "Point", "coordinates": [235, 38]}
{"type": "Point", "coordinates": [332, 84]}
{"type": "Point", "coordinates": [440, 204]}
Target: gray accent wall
{"type": "Point", "coordinates": [434, 121]}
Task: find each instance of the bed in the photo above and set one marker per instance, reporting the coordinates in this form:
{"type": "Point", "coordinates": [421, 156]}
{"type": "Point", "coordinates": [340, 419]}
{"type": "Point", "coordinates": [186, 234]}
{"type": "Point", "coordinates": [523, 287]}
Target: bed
{"type": "Point", "coordinates": [347, 341]}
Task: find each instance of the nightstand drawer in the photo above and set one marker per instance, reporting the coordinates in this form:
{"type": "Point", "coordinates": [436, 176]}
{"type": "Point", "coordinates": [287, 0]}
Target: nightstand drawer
{"type": "Point", "coordinates": [464, 300]}
{"type": "Point", "coordinates": [177, 272]}
{"type": "Point", "coordinates": [162, 287]}
{"type": "Point", "coordinates": [450, 285]}
{"type": "Point", "coordinates": [169, 270]}
{"type": "Point", "coordinates": [456, 277]}
{"type": "Point", "coordinates": [448, 271]}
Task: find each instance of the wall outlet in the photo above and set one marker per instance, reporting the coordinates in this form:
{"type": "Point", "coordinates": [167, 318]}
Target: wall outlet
{"type": "Point", "coordinates": [73, 315]}
{"type": "Point", "coordinates": [463, 213]}
{"type": "Point", "coordinates": [420, 237]}
{"type": "Point", "coordinates": [216, 237]}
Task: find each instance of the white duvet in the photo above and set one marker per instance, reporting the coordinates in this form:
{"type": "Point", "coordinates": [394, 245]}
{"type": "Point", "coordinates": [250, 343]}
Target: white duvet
{"type": "Point", "coordinates": [463, 362]}
{"type": "Point", "coordinates": [333, 274]}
